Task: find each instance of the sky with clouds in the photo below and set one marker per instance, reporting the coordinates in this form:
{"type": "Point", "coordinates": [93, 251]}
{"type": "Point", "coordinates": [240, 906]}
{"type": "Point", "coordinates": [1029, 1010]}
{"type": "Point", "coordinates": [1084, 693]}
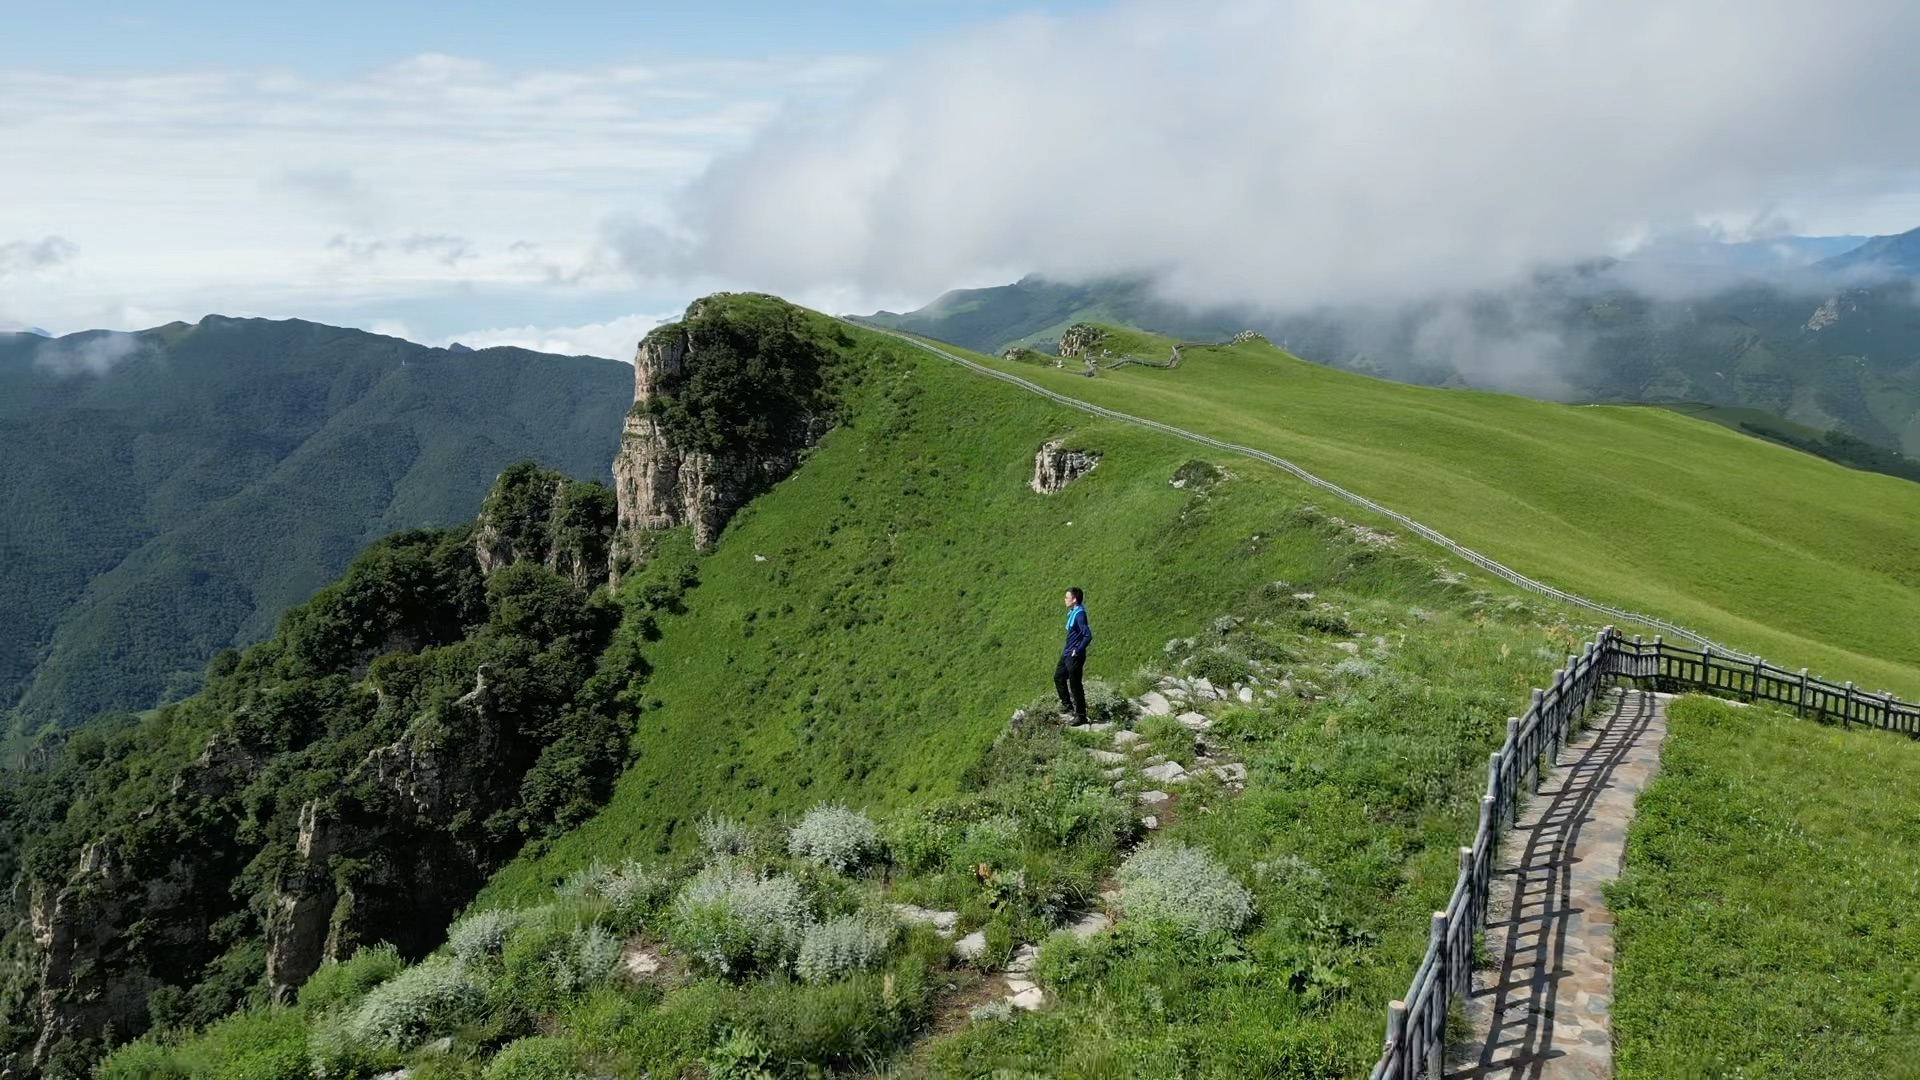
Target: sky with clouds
{"type": "Point", "coordinates": [563, 177]}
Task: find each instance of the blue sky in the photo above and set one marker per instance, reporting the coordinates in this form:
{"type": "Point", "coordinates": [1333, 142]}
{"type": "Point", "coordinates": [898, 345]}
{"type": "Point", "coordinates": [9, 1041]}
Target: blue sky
{"type": "Point", "coordinates": [353, 35]}
{"type": "Point", "coordinates": [563, 176]}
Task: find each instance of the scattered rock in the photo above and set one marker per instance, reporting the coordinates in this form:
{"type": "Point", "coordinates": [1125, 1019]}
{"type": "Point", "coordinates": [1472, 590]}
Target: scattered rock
{"type": "Point", "coordinates": [1246, 694]}
{"type": "Point", "coordinates": [1108, 726]}
{"type": "Point", "coordinates": [943, 922]}
{"type": "Point", "coordinates": [971, 947]}
{"type": "Point", "coordinates": [1170, 772]}
{"type": "Point", "coordinates": [1347, 647]}
{"type": "Point", "coordinates": [1124, 739]}
{"type": "Point", "coordinates": [757, 557]}
{"type": "Point", "coordinates": [1232, 772]}
{"type": "Point", "coordinates": [1151, 799]}
{"type": "Point", "coordinates": [1023, 959]}
{"type": "Point", "coordinates": [639, 961]}
{"type": "Point", "coordinates": [1204, 689]}
{"type": "Point", "coordinates": [1107, 757]}
{"type": "Point", "coordinates": [1150, 823]}
{"type": "Point", "coordinates": [1029, 999]}
{"type": "Point", "coordinates": [1154, 704]}
{"type": "Point", "coordinates": [1093, 922]}
{"type": "Point", "coordinates": [1194, 721]}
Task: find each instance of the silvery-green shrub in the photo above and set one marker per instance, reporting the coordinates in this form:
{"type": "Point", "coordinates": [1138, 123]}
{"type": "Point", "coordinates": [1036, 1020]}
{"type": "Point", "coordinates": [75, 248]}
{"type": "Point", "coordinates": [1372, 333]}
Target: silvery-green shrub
{"type": "Point", "coordinates": [1185, 887]}
{"type": "Point", "coordinates": [479, 937]}
{"type": "Point", "coordinates": [835, 837]}
{"type": "Point", "coordinates": [587, 962]}
{"type": "Point", "coordinates": [730, 919]}
{"type": "Point", "coordinates": [433, 995]}
{"type": "Point", "coordinates": [844, 944]}
{"type": "Point", "coordinates": [632, 891]}
{"type": "Point", "coordinates": [723, 837]}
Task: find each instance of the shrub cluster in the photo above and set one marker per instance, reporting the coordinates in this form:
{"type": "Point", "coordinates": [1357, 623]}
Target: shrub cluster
{"type": "Point", "coordinates": [1185, 887]}
{"type": "Point", "coordinates": [731, 920]}
{"type": "Point", "coordinates": [845, 944]}
{"type": "Point", "coordinates": [835, 837]}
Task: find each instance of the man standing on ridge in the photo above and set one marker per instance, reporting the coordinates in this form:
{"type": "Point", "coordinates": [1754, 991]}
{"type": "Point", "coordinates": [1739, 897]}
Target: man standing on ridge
{"type": "Point", "coordinates": [1073, 658]}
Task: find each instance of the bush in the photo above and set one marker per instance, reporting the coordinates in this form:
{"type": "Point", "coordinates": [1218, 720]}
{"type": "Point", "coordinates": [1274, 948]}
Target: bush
{"type": "Point", "coordinates": [1185, 887]}
{"type": "Point", "coordinates": [537, 1057]}
{"type": "Point", "coordinates": [731, 920]}
{"type": "Point", "coordinates": [631, 891]}
{"type": "Point", "coordinates": [724, 838]}
{"type": "Point", "coordinates": [845, 944]}
{"type": "Point", "coordinates": [1106, 704]}
{"type": "Point", "coordinates": [432, 996]}
{"type": "Point", "coordinates": [348, 980]}
{"type": "Point", "coordinates": [1220, 667]}
{"type": "Point", "coordinates": [835, 837]}
{"type": "Point", "coordinates": [480, 937]}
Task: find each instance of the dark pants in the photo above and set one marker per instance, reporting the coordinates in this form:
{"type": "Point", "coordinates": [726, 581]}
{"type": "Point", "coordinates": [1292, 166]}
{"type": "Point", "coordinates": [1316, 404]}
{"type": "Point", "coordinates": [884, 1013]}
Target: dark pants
{"type": "Point", "coordinates": [1066, 679]}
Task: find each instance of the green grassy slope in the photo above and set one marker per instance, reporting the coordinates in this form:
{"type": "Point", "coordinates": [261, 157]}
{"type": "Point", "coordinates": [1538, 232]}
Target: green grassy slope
{"type": "Point", "coordinates": [908, 602]}
{"type": "Point", "coordinates": [1770, 550]}
{"type": "Point", "coordinates": [218, 474]}
{"type": "Point", "coordinates": [1765, 912]}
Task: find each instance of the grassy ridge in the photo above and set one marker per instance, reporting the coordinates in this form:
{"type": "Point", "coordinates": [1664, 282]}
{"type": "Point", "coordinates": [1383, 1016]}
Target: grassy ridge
{"type": "Point", "coordinates": [1766, 910]}
{"type": "Point", "coordinates": [863, 630]}
{"type": "Point", "coordinates": [1767, 549]}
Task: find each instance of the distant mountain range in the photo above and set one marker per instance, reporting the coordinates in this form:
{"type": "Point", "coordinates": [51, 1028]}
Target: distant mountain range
{"type": "Point", "coordinates": [170, 492]}
{"type": "Point", "coordinates": [1835, 346]}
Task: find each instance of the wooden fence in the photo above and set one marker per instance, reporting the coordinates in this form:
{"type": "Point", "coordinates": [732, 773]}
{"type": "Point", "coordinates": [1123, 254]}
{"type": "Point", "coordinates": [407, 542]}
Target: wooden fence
{"type": "Point", "coordinates": [1416, 1026]}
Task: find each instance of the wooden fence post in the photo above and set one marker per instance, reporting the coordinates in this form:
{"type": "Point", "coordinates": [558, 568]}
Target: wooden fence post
{"type": "Point", "coordinates": [1659, 659]}
{"type": "Point", "coordinates": [1442, 997]}
{"type": "Point", "coordinates": [1753, 694]}
{"type": "Point", "coordinates": [1803, 703]}
{"type": "Point", "coordinates": [1846, 708]}
{"type": "Point", "coordinates": [1886, 702]}
{"type": "Point", "coordinates": [1396, 1048]}
{"type": "Point", "coordinates": [1706, 665]}
{"type": "Point", "coordinates": [1473, 913]}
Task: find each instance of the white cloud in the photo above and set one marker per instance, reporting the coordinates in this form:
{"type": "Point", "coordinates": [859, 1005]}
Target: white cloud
{"type": "Point", "coordinates": [1302, 151]}
{"type": "Point", "coordinates": [276, 193]}
{"type": "Point", "coordinates": [88, 354]}
{"type": "Point", "coordinates": [614, 339]}
{"type": "Point", "coordinates": [19, 258]}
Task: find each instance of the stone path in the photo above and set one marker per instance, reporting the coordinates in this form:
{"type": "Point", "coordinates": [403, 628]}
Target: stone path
{"type": "Point", "coordinates": [1544, 1011]}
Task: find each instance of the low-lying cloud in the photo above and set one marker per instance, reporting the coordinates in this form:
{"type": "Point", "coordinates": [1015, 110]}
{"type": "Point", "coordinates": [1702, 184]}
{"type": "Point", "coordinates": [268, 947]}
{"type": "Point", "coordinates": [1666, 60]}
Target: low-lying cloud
{"type": "Point", "coordinates": [1301, 152]}
{"type": "Point", "coordinates": [21, 257]}
{"type": "Point", "coordinates": [94, 353]}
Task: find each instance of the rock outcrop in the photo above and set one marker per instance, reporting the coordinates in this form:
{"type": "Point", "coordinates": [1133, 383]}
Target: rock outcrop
{"type": "Point", "coordinates": [1054, 467]}
{"type": "Point", "coordinates": [1829, 313]}
{"type": "Point", "coordinates": [1080, 339]}
{"type": "Point", "coordinates": [1245, 336]}
{"type": "Point", "coordinates": [664, 478]}
{"type": "Point", "coordinates": [545, 517]}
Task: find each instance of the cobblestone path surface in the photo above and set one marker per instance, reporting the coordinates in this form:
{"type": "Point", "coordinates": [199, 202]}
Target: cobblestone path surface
{"type": "Point", "coordinates": [1544, 1009]}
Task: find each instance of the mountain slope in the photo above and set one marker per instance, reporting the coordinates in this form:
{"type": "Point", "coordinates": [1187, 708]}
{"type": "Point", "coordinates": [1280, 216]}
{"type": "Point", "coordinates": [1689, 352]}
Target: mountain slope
{"type": "Point", "coordinates": [1848, 361]}
{"type": "Point", "coordinates": [1770, 550]}
{"type": "Point", "coordinates": [1897, 256]}
{"type": "Point", "coordinates": [171, 492]}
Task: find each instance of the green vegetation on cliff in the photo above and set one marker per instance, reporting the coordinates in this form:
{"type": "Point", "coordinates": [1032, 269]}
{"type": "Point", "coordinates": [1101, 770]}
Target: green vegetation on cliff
{"type": "Point", "coordinates": [1765, 912]}
{"type": "Point", "coordinates": [176, 502]}
{"type": "Point", "coordinates": [350, 780]}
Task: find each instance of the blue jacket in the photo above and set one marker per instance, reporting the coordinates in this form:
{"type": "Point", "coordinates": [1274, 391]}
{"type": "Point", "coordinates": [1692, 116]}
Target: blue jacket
{"type": "Point", "coordinates": [1079, 634]}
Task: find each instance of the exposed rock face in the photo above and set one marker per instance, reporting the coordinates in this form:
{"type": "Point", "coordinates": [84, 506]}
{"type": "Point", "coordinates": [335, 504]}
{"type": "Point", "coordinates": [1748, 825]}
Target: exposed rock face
{"type": "Point", "coordinates": [1080, 339]}
{"type": "Point", "coordinates": [661, 483]}
{"type": "Point", "coordinates": [1055, 467]}
{"type": "Point", "coordinates": [113, 931]}
{"type": "Point", "coordinates": [424, 776]}
{"type": "Point", "coordinates": [1829, 313]}
{"type": "Point", "coordinates": [1245, 336]}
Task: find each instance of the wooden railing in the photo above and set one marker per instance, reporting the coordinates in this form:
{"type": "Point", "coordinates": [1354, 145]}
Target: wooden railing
{"type": "Point", "coordinates": [1417, 1025]}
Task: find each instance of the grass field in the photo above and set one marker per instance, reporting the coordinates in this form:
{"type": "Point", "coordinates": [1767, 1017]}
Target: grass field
{"type": "Point", "coordinates": [1766, 914]}
{"type": "Point", "coordinates": [1766, 549]}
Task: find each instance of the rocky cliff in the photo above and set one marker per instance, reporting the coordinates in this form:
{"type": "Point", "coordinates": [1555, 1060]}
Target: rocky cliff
{"type": "Point", "coordinates": [725, 402]}
{"type": "Point", "coordinates": [352, 780]}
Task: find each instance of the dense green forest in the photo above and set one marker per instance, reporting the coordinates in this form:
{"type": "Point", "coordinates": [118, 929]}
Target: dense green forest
{"type": "Point", "coordinates": [169, 493]}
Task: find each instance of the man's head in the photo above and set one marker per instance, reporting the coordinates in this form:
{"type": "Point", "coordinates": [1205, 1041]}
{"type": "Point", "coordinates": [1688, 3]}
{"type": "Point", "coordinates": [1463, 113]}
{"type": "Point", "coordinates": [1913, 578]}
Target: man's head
{"type": "Point", "coordinates": [1074, 596]}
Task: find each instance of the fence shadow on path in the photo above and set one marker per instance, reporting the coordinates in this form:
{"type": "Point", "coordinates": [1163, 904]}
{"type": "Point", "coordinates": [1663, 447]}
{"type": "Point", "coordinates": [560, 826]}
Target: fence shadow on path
{"type": "Point", "coordinates": [1543, 1010]}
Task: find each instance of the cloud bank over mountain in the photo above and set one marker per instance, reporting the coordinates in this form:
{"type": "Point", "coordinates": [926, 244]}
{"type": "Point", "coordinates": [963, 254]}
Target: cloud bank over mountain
{"type": "Point", "coordinates": [1306, 151]}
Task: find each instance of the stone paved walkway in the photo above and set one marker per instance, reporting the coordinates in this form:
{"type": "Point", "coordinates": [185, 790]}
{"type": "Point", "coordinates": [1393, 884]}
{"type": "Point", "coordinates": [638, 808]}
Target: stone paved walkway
{"type": "Point", "coordinates": [1545, 1011]}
